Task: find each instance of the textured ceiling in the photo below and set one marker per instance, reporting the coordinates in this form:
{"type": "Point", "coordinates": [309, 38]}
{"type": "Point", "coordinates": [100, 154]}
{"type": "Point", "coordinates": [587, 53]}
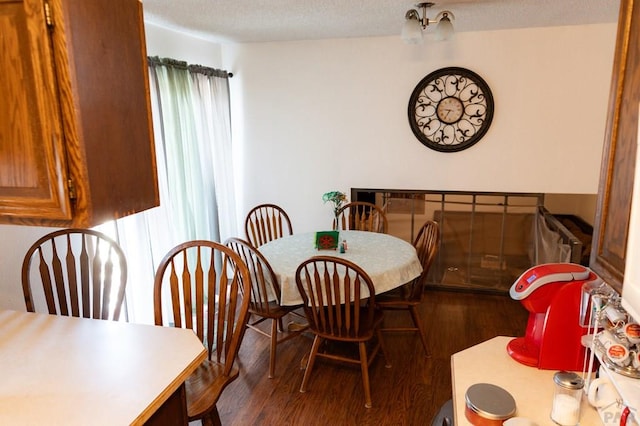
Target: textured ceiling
{"type": "Point", "coordinates": [280, 20]}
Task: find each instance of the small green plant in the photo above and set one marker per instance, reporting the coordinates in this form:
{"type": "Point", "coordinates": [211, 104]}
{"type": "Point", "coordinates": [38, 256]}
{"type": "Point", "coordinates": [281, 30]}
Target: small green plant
{"type": "Point", "coordinates": [335, 197]}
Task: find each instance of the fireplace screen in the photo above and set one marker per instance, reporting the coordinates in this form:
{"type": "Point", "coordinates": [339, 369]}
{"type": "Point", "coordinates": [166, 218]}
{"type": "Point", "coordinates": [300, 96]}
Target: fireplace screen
{"type": "Point", "coordinates": [487, 239]}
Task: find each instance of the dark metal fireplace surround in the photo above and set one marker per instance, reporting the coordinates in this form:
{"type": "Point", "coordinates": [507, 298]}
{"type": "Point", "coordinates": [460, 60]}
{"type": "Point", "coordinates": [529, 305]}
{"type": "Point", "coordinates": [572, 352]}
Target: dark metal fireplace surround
{"type": "Point", "coordinates": [488, 238]}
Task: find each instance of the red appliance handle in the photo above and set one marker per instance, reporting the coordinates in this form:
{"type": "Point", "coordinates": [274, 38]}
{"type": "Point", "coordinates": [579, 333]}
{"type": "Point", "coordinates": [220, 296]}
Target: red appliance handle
{"type": "Point", "coordinates": [624, 415]}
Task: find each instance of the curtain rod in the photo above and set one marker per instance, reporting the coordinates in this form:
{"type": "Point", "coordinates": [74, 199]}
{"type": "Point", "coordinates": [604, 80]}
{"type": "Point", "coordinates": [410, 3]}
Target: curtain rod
{"type": "Point", "coordinates": [200, 69]}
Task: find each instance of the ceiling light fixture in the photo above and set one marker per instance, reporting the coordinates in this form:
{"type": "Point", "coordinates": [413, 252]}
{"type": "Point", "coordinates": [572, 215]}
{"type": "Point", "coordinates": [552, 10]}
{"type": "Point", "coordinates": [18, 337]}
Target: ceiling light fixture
{"type": "Point", "coordinates": [414, 24]}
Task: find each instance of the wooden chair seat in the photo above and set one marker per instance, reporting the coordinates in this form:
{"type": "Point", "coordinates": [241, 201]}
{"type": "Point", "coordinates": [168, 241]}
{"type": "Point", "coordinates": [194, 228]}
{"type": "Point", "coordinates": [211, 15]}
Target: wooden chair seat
{"type": "Point", "coordinates": [365, 332]}
{"type": "Point", "coordinates": [274, 310]}
{"type": "Point", "coordinates": [399, 303]}
{"type": "Point", "coordinates": [399, 297]}
{"type": "Point", "coordinates": [204, 386]}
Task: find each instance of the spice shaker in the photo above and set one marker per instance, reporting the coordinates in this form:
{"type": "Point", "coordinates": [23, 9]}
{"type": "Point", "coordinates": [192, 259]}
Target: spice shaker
{"type": "Point", "coordinates": [567, 398]}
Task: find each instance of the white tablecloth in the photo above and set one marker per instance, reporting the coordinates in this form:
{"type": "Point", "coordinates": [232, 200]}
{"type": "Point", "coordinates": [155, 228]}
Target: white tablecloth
{"type": "Point", "coordinates": [389, 261]}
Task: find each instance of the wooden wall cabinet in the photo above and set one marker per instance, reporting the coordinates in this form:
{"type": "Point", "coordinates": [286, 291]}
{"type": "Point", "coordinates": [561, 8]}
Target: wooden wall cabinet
{"type": "Point", "coordinates": [76, 138]}
{"type": "Point", "coordinates": [613, 209]}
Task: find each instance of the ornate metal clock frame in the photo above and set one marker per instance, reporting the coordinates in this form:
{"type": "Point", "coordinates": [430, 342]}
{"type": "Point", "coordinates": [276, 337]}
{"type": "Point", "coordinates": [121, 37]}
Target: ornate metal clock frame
{"type": "Point", "coordinates": [450, 109]}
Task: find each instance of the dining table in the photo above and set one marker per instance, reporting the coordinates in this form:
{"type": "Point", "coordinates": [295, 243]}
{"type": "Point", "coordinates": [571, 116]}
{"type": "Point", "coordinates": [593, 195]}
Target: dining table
{"type": "Point", "coordinates": [59, 370]}
{"type": "Point", "coordinates": [388, 260]}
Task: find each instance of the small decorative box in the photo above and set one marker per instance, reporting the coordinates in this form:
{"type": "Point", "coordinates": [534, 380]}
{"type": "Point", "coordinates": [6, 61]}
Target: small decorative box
{"type": "Point", "coordinates": [327, 240]}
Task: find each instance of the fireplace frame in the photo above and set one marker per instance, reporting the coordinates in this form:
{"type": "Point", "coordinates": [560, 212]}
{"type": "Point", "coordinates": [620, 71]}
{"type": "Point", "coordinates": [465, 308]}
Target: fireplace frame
{"type": "Point", "coordinates": [460, 263]}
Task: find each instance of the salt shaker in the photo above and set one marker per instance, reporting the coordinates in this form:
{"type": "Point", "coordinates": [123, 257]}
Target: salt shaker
{"type": "Point", "coordinates": [567, 398]}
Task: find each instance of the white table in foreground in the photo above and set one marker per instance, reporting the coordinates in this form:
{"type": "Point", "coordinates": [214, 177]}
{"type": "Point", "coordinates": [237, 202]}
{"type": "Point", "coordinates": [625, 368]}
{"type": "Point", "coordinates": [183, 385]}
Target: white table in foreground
{"type": "Point", "coordinates": [57, 370]}
{"type": "Point", "coordinates": [489, 362]}
{"type": "Point", "coordinates": [388, 260]}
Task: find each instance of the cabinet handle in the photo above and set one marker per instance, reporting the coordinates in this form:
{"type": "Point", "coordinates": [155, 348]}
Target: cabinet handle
{"type": "Point", "coordinates": [72, 189]}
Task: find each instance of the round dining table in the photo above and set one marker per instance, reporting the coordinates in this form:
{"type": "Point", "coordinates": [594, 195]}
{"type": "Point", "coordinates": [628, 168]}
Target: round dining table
{"type": "Point", "coordinates": [388, 260]}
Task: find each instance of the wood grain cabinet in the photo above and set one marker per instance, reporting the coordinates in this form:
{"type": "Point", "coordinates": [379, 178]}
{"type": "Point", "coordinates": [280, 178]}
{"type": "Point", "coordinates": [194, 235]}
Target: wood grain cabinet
{"type": "Point", "coordinates": [76, 139]}
{"type": "Point", "coordinates": [613, 209]}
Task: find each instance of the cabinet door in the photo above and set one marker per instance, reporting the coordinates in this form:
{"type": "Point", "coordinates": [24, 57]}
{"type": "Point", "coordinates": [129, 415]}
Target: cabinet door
{"type": "Point", "coordinates": [33, 175]}
{"type": "Point", "coordinates": [102, 74]}
{"type": "Point", "coordinates": [618, 163]}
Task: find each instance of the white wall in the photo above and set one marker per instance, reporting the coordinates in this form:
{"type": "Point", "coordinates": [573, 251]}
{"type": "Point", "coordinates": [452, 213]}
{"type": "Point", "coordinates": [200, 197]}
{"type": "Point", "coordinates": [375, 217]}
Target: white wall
{"type": "Point", "coordinates": [580, 205]}
{"type": "Point", "coordinates": [16, 240]}
{"type": "Point", "coordinates": [167, 43]}
{"type": "Point", "coordinates": [315, 116]}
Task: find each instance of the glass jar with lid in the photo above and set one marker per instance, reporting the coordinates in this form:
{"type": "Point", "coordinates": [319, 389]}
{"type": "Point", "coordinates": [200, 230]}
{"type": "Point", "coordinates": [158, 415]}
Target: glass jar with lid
{"type": "Point", "coordinates": [567, 398]}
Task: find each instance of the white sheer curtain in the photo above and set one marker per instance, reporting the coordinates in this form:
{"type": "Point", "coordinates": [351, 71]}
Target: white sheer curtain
{"type": "Point", "coordinates": [192, 131]}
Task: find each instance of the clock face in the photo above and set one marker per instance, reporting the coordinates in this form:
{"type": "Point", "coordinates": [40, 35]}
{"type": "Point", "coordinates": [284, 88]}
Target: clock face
{"type": "Point", "coordinates": [450, 109]}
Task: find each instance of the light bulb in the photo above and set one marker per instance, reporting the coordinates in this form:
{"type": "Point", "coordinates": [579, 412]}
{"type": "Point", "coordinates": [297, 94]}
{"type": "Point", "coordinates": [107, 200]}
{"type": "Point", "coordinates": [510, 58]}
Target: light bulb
{"type": "Point", "coordinates": [444, 29]}
{"type": "Point", "coordinates": [411, 31]}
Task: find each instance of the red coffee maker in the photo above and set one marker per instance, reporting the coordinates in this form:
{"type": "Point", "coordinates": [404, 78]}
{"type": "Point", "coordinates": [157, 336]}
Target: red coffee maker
{"type": "Point", "coordinates": [551, 293]}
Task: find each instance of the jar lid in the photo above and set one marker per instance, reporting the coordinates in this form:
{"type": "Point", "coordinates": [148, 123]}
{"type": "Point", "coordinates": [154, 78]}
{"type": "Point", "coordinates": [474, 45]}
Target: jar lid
{"type": "Point", "coordinates": [490, 401]}
{"type": "Point", "coordinates": [568, 380]}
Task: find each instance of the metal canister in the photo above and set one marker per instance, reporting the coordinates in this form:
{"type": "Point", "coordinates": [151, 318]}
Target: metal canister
{"type": "Point", "coordinates": [488, 405]}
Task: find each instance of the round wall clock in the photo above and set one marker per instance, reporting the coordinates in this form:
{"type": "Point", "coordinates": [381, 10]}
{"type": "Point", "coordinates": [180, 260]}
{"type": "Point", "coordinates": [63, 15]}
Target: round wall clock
{"type": "Point", "coordinates": [450, 109]}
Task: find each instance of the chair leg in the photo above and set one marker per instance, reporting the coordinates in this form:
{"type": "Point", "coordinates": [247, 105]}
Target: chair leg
{"type": "Point", "coordinates": [423, 337]}
{"type": "Point", "coordinates": [364, 367]}
{"type": "Point", "coordinates": [383, 347]}
{"type": "Point", "coordinates": [212, 418]}
{"type": "Point", "coordinates": [312, 358]}
{"type": "Point", "coordinates": [274, 345]}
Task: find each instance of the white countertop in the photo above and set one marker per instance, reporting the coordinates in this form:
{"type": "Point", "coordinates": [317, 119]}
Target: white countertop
{"type": "Point", "coordinates": [57, 370]}
{"type": "Point", "coordinates": [532, 389]}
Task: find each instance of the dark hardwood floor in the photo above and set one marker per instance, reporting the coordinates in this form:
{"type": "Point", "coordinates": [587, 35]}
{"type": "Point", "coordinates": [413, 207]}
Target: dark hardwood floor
{"type": "Point", "coordinates": [408, 393]}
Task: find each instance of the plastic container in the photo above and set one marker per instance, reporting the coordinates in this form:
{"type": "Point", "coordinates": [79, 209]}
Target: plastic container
{"type": "Point", "coordinates": [488, 405]}
{"type": "Point", "coordinates": [632, 332]}
{"type": "Point", "coordinates": [619, 354]}
{"type": "Point", "coordinates": [567, 398]}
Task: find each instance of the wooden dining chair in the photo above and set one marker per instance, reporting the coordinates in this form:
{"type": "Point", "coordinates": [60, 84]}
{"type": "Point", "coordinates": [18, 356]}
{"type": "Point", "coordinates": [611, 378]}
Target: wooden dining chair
{"type": "Point", "coordinates": [265, 299]}
{"type": "Point", "coordinates": [411, 295]}
{"type": "Point", "coordinates": [339, 303]}
{"type": "Point", "coordinates": [265, 223]}
{"type": "Point", "coordinates": [199, 285]}
{"type": "Point", "coordinates": [78, 272]}
{"type": "Point", "coordinates": [361, 216]}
